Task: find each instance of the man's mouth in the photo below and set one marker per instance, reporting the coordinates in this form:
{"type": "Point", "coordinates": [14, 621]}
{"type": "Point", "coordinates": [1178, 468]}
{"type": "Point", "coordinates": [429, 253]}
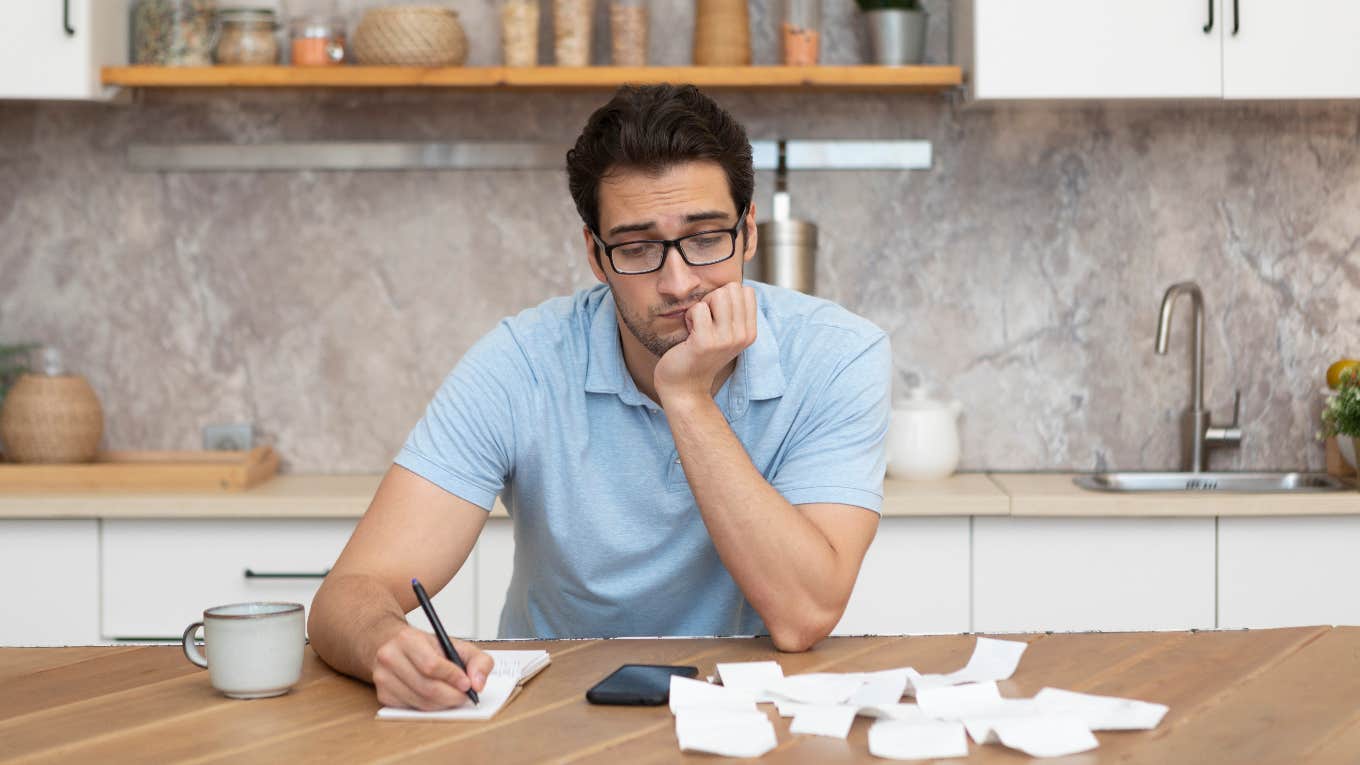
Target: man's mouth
{"type": "Point", "coordinates": [678, 313]}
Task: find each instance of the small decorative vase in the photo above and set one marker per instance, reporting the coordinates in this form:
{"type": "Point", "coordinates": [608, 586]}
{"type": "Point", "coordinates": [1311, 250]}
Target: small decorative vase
{"type": "Point", "coordinates": [1347, 445]}
{"type": "Point", "coordinates": [896, 37]}
{"type": "Point", "coordinates": [52, 417]}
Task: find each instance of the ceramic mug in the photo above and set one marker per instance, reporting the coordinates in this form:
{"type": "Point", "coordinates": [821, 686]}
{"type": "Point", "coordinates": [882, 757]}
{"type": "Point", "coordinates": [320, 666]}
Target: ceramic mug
{"type": "Point", "coordinates": [256, 648]}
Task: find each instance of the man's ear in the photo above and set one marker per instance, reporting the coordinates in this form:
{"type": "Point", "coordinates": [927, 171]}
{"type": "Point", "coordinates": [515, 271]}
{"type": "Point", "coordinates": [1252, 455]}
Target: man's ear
{"type": "Point", "coordinates": [751, 234]}
{"type": "Point", "coordinates": [593, 255]}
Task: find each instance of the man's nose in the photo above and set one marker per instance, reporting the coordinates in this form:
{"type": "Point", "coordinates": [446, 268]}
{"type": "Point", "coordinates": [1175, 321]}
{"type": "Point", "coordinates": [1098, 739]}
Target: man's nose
{"type": "Point", "coordinates": [677, 278]}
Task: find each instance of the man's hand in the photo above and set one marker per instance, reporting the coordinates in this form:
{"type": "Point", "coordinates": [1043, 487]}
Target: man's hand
{"type": "Point", "coordinates": [721, 326]}
{"type": "Point", "coordinates": [411, 671]}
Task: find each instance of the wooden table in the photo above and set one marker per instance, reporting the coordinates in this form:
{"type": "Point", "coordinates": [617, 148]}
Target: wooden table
{"type": "Point", "coordinates": [1270, 696]}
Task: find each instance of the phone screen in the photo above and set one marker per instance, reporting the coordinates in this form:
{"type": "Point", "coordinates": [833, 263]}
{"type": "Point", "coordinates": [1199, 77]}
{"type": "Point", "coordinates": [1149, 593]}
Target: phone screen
{"type": "Point", "coordinates": [638, 684]}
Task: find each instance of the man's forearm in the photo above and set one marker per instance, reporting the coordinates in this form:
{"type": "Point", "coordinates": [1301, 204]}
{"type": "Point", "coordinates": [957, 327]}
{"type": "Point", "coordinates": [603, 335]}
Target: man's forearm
{"type": "Point", "coordinates": [780, 560]}
{"type": "Point", "coordinates": [351, 616]}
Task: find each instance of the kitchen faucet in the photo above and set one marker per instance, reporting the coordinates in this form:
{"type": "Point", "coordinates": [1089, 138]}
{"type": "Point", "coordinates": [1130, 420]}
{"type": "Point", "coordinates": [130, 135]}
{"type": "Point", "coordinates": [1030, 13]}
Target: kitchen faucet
{"type": "Point", "coordinates": [1198, 433]}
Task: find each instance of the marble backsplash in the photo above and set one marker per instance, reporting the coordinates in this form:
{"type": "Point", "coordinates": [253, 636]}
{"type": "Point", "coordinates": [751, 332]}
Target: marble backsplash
{"type": "Point", "coordinates": [1021, 275]}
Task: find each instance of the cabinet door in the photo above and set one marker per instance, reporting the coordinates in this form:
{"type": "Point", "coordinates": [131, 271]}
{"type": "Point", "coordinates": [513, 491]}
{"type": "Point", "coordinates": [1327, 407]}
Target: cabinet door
{"type": "Point", "coordinates": [55, 48]}
{"type": "Point", "coordinates": [159, 575]}
{"type": "Point", "coordinates": [1071, 574]}
{"type": "Point", "coordinates": [495, 564]}
{"type": "Point", "coordinates": [1288, 571]}
{"type": "Point", "coordinates": [1298, 49]}
{"type": "Point", "coordinates": [1085, 49]}
{"type": "Point", "coordinates": [49, 582]}
{"type": "Point", "coordinates": [914, 580]}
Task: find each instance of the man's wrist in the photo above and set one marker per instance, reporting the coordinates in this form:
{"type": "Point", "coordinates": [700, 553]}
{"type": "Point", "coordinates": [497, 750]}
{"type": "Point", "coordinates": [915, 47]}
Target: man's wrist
{"type": "Point", "coordinates": [679, 399]}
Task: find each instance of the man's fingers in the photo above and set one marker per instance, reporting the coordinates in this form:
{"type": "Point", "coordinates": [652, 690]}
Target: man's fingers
{"type": "Point", "coordinates": [479, 664]}
{"type": "Point", "coordinates": [406, 678]}
{"type": "Point", "coordinates": [700, 320]}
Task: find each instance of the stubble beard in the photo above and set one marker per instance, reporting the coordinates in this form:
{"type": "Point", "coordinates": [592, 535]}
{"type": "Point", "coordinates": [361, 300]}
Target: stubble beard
{"type": "Point", "coordinates": [655, 343]}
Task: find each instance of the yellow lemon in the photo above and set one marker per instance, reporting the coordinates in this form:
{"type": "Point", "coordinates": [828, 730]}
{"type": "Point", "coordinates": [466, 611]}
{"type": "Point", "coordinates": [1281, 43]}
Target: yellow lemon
{"type": "Point", "coordinates": [1335, 371]}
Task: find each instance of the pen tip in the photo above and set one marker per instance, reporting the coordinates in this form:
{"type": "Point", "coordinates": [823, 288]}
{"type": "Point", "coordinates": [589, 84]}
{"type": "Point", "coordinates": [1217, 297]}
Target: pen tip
{"type": "Point", "coordinates": [415, 581]}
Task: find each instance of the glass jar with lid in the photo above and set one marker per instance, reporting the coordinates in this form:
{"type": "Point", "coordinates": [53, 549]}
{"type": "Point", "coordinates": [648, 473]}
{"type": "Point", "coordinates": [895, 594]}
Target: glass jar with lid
{"type": "Point", "coordinates": [572, 21]}
{"type": "Point", "coordinates": [172, 32]}
{"type": "Point", "coordinates": [317, 41]}
{"type": "Point", "coordinates": [519, 32]}
{"type": "Point", "coordinates": [628, 32]}
{"type": "Point", "coordinates": [245, 37]}
{"type": "Point", "coordinates": [799, 33]}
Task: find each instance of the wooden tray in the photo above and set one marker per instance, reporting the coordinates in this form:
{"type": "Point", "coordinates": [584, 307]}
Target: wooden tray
{"type": "Point", "coordinates": [147, 471]}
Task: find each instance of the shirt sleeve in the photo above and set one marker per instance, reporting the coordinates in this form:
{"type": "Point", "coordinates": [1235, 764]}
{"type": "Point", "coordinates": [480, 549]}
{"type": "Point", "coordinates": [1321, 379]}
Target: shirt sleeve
{"type": "Point", "coordinates": [838, 454]}
{"type": "Point", "coordinates": [465, 442]}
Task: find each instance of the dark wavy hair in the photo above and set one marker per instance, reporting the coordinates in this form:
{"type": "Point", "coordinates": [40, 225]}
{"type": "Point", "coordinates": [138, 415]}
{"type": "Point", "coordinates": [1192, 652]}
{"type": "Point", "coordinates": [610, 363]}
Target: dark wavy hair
{"type": "Point", "coordinates": [652, 128]}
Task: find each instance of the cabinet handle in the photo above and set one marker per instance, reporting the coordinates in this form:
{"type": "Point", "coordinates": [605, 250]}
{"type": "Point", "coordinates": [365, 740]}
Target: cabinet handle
{"type": "Point", "coordinates": [1210, 25]}
{"type": "Point", "coordinates": [1237, 19]}
{"type": "Point", "coordinates": [66, 18]}
{"type": "Point", "coordinates": [250, 574]}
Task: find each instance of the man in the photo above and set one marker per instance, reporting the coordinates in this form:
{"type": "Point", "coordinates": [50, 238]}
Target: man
{"type": "Point", "coordinates": [681, 453]}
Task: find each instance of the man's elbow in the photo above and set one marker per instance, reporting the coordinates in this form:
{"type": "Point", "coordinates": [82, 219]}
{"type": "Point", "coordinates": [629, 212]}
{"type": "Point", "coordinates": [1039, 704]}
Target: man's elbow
{"type": "Point", "coordinates": [804, 632]}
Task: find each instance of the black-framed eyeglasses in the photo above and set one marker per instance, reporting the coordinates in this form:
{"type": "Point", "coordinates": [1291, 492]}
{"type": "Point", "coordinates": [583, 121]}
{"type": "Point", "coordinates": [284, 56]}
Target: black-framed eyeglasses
{"type": "Point", "coordinates": [643, 256]}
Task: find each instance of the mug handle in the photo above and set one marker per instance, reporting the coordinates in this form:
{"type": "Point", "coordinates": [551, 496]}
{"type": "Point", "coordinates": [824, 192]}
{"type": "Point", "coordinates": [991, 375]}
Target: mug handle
{"type": "Point", "coordinates": [191, 651]}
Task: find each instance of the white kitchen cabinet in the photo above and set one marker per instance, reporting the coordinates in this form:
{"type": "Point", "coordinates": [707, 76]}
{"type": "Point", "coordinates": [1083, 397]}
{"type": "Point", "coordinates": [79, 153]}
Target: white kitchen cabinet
{"type": "Point", "coordinates": [495, 564]}
{"type": "Point", "coordinates": [49, 582]}
{"type": "Point", "coordinates": [1081, 49]}
{"type": "Point", "coordinates": [158, 575]}
{"type": "Point", "coordinates": [1073, 574]}
{"type": "Point", "coordinates": [1076, 49]}
{"type": "Point", "coordinates": [55, 48]}
{"type": "Point", "coordinates": [1288, 571]}
{"type": "Point", "coordinates": [914, 580]}
{"type": "Point", "coordinates": [1298, 49]}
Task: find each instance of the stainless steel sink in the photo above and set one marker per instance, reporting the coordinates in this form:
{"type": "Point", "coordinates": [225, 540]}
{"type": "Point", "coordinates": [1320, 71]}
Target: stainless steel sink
{"type": "Point", "coordinates": [1239, 482]}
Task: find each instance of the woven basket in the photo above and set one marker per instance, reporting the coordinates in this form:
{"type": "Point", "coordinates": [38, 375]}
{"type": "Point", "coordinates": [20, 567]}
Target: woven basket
{"type": "Point", "coordinates": [410, 35]}
{"type": "Point", "coordinates": [51, 419]}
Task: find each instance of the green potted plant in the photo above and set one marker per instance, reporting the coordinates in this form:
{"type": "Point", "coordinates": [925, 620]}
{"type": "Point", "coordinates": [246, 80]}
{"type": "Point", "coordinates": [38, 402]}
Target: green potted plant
{"type": "Point", "coordinates": [897, 31]}
{"type": "Point", "coordinates": [1341, 416]}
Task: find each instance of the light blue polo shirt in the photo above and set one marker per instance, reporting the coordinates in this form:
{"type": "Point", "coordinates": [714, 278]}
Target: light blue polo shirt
{"type": "Point", "coordinates": [608, 538]}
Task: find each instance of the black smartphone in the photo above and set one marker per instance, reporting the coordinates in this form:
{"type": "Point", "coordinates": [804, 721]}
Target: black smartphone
{"type": "Point", "coordinates": [638, 685]}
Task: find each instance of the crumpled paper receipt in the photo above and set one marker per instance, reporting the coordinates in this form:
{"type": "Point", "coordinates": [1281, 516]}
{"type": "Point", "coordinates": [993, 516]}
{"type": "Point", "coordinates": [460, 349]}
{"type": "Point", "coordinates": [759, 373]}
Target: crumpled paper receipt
{"type": "Point", "coordinates": [950, 708]}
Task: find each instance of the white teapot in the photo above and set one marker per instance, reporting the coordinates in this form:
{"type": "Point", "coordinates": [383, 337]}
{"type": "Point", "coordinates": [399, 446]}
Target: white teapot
{"type": "Point", "coordinates": [923, 439]}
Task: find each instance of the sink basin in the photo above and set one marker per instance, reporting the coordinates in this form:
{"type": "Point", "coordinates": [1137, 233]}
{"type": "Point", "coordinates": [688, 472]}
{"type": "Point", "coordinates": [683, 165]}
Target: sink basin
{"type": "Point", "coordinates": [1240, 482]}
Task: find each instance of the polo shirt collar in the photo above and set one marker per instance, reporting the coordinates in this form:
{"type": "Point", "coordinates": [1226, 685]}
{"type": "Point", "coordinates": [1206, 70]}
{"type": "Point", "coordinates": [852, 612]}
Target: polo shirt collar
{"type": "Point", "coordinates": [758, 375]}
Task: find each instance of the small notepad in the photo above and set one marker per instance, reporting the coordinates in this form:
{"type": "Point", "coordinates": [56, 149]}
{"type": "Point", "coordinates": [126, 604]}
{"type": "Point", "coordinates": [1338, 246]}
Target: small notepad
{"type": "Point", "coordinates": [512, 670]}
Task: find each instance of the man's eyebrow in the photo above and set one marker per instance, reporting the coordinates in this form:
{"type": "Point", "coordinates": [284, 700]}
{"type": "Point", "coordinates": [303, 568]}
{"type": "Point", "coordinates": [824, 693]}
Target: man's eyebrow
{"type": "Point", "coordinates": [627, 228]}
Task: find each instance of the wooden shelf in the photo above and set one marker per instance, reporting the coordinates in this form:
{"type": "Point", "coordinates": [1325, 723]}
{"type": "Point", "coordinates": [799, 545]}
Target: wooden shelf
{"type": "Point", "coordinates": [881, 78]}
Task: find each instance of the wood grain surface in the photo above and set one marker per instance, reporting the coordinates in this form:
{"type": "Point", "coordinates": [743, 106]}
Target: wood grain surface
{"type": "Point", "coordinates": [894, 78]}
{"type": "Point", "coordinates": [1268, 696]}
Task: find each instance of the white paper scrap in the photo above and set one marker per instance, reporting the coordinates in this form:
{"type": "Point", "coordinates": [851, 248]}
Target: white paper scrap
{"type": "Point", "coordinates": [903, 712]}
{"type": "Point", "coordinates": [686, 693]}
{"type": "Point", "coordinates": [833, 722]}
{"type": "Point", "coordinates": [1101, 712]}
{"type": "Point", "coordinates": [981, 725]}
{"type": "Point", "coordinates": [955, 702]}
{"type": "Point", "coordinates": [886, 687]}
{"type": "Point", "coordinates": [897, 740]}
{"type": "Point", "coordinates": [1045, 735]}
{"type": "Point", "coordinates": [791, 708]}
{"type": "Point", "coordinates": [991, 660]}
{"type": "Point", "coordinates": [734, 734]}
{"type": "Point", "coordinates": [751, 676]}
{"type": "Point", "coordinates": [817, 688]}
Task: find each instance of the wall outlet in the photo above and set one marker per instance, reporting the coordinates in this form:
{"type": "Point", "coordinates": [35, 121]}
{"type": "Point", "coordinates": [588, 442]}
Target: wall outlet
{"type": "Point", "coordinates": [237, 437]}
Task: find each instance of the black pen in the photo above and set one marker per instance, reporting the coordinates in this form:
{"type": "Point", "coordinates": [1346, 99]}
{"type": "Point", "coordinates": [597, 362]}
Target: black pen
{"type": "Point", "coordinates": [442, 635]}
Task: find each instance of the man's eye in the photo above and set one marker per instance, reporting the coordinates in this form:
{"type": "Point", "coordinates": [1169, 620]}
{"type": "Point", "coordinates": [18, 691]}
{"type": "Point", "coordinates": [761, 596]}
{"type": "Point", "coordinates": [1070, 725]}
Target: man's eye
{"type": "Point", "coordinates": [707, 241]}
{"type": "Point", "coordinates": [633, 250]}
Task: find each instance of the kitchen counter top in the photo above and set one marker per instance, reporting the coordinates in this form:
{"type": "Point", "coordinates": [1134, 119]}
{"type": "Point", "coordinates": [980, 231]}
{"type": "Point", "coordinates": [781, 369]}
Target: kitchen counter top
{"type": "Point", "coordinates": [1054, 494]}
{"type": "Point", "coordinates": [964, 494]}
